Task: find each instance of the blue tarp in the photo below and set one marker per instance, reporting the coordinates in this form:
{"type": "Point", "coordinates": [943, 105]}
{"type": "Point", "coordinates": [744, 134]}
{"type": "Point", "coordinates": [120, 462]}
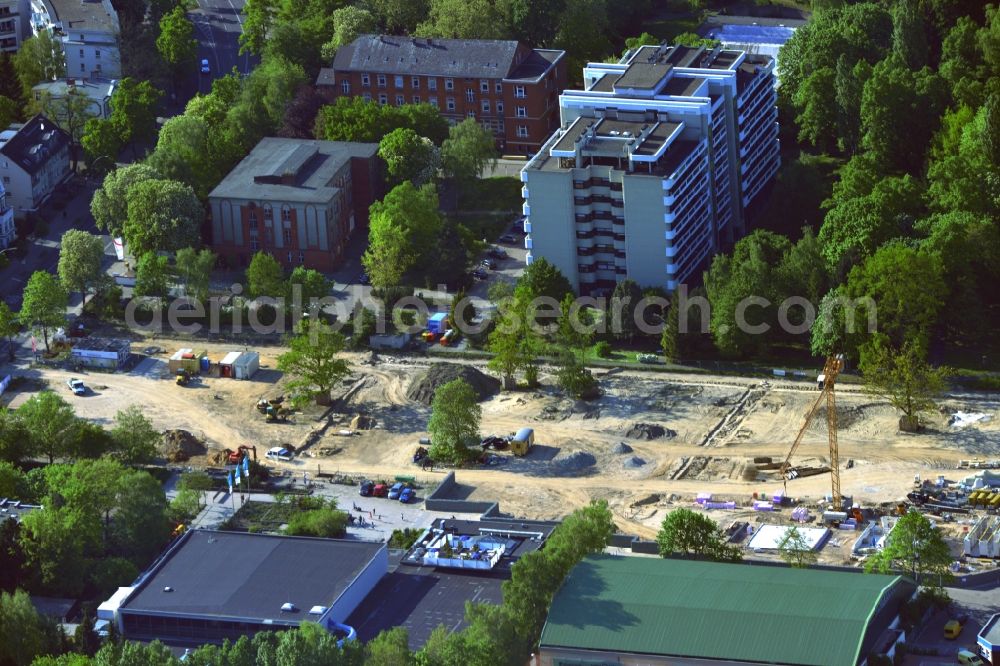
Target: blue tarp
{"type": "Point", "coordinates": [751, 34]}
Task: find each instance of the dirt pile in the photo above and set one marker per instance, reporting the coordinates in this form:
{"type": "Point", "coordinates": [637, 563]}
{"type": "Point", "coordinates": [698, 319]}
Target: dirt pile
{"type": "Point", "coordinates": [423, 387]}
{"type": "Point", "coordinates": [181, 445]}
{"type": "Point", "coordinates": [621, 448]}
{"type": "Point", "coordinates": [649, 431]}
{"type": "Point", "coordinates": [578, 461]}
{"type": "Point", "coordinates": [634, 462]}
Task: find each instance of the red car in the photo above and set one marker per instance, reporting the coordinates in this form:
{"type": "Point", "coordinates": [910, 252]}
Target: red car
{"type": "Point", "coordinates": [380, 490]}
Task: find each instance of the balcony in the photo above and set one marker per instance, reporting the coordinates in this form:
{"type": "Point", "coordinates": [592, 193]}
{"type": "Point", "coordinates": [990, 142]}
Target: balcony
{"type": "Point", "coordinates": [527, 226]}
{"type": "Point", "coordinates": [524, 192]}
{"type": "Point", "coordinates": [669, 200]}
{"type": "Point", "coordinates": [525, 209]}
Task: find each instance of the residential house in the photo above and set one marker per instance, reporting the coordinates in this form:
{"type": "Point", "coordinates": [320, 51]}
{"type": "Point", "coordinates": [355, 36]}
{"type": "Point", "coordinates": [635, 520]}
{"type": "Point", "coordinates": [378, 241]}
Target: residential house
{"type": "Point", "coordinates": [34, 160]}
{"type": "Point", "coordinates": [88, 31]}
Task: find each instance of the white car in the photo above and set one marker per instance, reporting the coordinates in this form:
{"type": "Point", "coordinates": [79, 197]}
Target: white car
{"type": "Point", "coordinates": [76, 386]}
{"type": "Point", "coordinates": [279, 453]}
{"type": "Point", "coordinates": [205, 69]}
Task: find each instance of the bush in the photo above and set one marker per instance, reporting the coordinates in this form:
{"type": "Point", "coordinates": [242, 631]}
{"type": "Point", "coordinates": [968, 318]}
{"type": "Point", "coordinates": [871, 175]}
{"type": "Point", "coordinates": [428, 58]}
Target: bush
{"type": "Point", "coordinates": [602, 349]}
{"type": "Point", "coordinates": [325, 522]}
{"type": "Point", "coordinates": [404, 538]}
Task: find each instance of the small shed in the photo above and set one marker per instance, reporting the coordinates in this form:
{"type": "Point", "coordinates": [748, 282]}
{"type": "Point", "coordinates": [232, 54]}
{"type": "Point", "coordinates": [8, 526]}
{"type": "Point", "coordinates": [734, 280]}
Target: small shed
{"type": "Point", "coordinates": [226, 364]}
{"type": "Point", "coordinates": [246, 365]}
{"type": "Point", "coordinates": [107, 353]}
{"type": "Point", "coordinates": [522, 442]}
{"type": "Point", "coordinates": [186, 359]}
{"type": "Point", "coordinates": [438, 323]}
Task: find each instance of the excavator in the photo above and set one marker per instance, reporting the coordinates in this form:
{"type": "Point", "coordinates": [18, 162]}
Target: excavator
{"type": "Point", "coordinates": [234, 457]}
{"type": "Point", "coordinates": [827, 380]}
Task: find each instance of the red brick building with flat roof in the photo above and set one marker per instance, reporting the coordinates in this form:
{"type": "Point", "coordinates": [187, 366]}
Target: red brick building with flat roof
{"type": "Point", "coordinates": [509, 87]}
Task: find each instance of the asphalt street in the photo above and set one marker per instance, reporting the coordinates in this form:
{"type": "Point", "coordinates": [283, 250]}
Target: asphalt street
{"type": "Point", "coordinates": [218, 24]}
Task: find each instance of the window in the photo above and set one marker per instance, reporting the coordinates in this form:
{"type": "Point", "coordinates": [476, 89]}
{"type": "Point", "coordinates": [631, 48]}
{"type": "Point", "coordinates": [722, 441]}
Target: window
{"type": "Point", "coordinates": [82, 68]}
{"type": "Point", "coordinates": [499, 88]}
{"type": "Point", "coordinates": [6, 179]}
{"type": "Point", "coordinates": [450, 104]}
{"type": "Point", "coordinates": [366, 81]}
{"type": "Point", "coordinates": [470, 114]}
{"type": "Point", "coordinates": [381, 80]}
{"type": "Point", "coordinates": [253, 217]}
{"type": "Point", "coordinates": [367, 97]}
{"type": "Point", "coordinates": [289, 257]}
{"type": "Point", "coordinates": [500, 125]}
{"type": "Point", "coordinates": [470, 95]}
{"type": "Point", "coordinates": [345, 87]}
{"type": "Point", "coordinates": [400, 100]}
{"type": "Point", "coordinates": [286, 214]}
{"type": "Point", "coordinates": [398, 81]}
{"type": "Point", "coordinates": [268, 213]}
{"type": "Point", "coordinates": [98, 65]}
{"type": "Point", "coordinates": [415, 83]}
{"type": "Point", "coordinates": [449, 84]}
{"type": "Point", "coordinates": [486, 106]}
{"type": "Point", "coordinates": [286, 235]}
{"type": "Point", "coordinates": [499, 106]}
{"type": "Point", "coordinates": [484, 86]}
{"type": "Point", "coordinates": [521, 112]}
{"type": "Point", "coordinates": [416, 99]}
{"type": "Point", "coordinates": [383, 98]}
{"type": "Point", "coordinates": [522, 131]}
{"type": "Point", "coordinates": [81, 53]}
{"type": "Point", "coordinates": [97, 53]}
{"type": "Point", "coordinates": [432, 84]}
{"type": "Point", "coordinates": [433, 101]}
{"type": "Point", "coordinates": [519, 92]}
{"type": "Point", "coordinates": [302, 257]}
{"type": "Point", "coordinates": [488, 125]}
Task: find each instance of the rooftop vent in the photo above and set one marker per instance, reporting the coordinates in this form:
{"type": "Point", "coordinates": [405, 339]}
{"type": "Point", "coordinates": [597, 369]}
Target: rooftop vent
{"type": "Point", "coordinates": [317, 610]}
{"type": "Point", "coordinates": [288, 607]}
{"type": "Point", "coordinates": [167, 588]}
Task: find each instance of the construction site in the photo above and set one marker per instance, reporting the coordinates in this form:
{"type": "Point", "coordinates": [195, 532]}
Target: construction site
{"type": "Point", "coordinates": [752, 450]}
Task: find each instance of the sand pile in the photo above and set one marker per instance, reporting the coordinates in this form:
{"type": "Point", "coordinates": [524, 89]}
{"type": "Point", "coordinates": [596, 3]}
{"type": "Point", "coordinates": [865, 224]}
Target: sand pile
{"type": "Point", "coordinates": [181, 445]}
{"type": "Point", "coordinates": [621, 448]}
{"type": "Point", "coordinates": [649, 431]}
{"type": "Point", "coordinates": [422, 387]}
{"type": "Point", "coordinates": [576, 462]}
{"type": "Point", "coordinates": [633, 462]}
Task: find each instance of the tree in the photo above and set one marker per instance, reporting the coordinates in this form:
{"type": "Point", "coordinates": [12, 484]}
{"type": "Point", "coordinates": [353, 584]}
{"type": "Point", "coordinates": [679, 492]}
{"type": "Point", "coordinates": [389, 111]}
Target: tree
{"type": "Point", "coordinates": [9, 327]}
{"type": "Point", "coordinates": [693, 534]}
{"type": "Point", "coordinates": [513, 343]}
{"type": "Point", "coordinates": [176, 43]}
{"type": "Point", "coordinates": [101, 144]}
{"type": "Point", "coordinates": [15, 443]}
{"type": "Point", "coordinates": [194, 271]}
{"type": "Point", "coordinates": [12, 572]}
{"type": "Point", "coordinates": [415, 211]}
{"type": "Point", "coordinates": [390, 648]}
{"type": "Point", "coordinates": [196, 481]}
{"type": "Point", "coordinates": [408, 156]}
{"type": "Point", "coordinates": [24, 634]}
{"type": "Point", "coordinates": [310, 283]}
{"type": "Point", "coordinates": [162, 215]}
{"type": "Point", "coordinates": [623, 310]}
{"type": "Point", "coordinates": [454, 422]}
{"type": "Point", "coordinates": [818, 118]}
{"type": "Point", "coordinates": [540, 279]}
{"type": "Point", "coordinates": [10, 111]}
{"type": "Point", "coordinates": [388, 255]}
{"type": "Point", "coordinates": [265, 276]}
{"type": "Point", "coordinates": [40, 58]}
{"type": "Point", "coordinates": [85, 638]}
{"type": "Point", "coordinates": [575, 378]}
{"type": "Point", "coordinates": [152, 274]}
{"type": "Point", "coordinates": [140, 527]}
{"type": "Point", "coordinates": [135, 438]}
{"type": "Point", "coordinates": [909, 43]}
{"type": "Point", "coordinates": [349, 23]}
{"type": "Point", "coordinates": [400, 16]}
{"type": "Point", "coordinates": [325, 522]}
{"type": "Point", "coordinates": [43, 304]}
{"type": "Point", "coordinates": [189, 150]}
{"type": "Point", "coordinates": [916, 546]}
{"type": "Point", "coordinates": [299, 121]}
{"type": "Point", "coordinates": [582, 32]}
{"type": "Point", "coordinates": [461, 19]}
{"type": "Point", "coordinates": [258, 19]}
{"type": "Point", "coordinates": [109, 205]}
{"type": "Point", "coordinates": [71, 112]}
{"type": "Point", "coordinates": [904, 377]}
{"type": "Point", "coordinates": [133, 111]}
{"type": "Point", "coordinates": [80, 258]}
{"type": "Point", "coordinates": [312, 362]}
{"type": "Point", "coordinates": [670, 338]}
{"type": "Point", "coordinates": [51, 424]}
{"type": "Point", "coordinates": [53, 541]}
{"type": "Point", "coordinates": [468, 150]}
{"type": "Point", "coordinates": [795, 550]}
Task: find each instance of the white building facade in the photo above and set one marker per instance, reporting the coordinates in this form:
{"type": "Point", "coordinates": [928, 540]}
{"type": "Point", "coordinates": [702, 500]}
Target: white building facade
{"type": "Point", "coordinates": [15, 24]}
{"type": "Point", "coordinates": [656, 161]}
{"type": "Point", "coordinates": [88, 32]}
{"type": "Point", "coordinates": [7, 232]}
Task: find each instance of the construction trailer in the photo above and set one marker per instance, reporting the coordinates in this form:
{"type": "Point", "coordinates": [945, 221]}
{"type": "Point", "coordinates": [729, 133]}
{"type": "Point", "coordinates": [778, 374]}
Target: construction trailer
{"type": "Point", "coordinates": [239, 365]}
{"type": "Point", "coordinates": [438, 323]}
{"type": "Point", "coordinates": [983, 540]}
{"type": "Point", "coordinates": [188, 359]}
{"type": "Point", "coordinates": [522, 442]}
{"type": "Point", "coordinates": [105, 353]}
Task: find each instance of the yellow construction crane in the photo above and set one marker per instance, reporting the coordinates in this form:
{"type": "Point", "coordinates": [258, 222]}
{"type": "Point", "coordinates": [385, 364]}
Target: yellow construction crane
{"type": "Point", "coordinates": [827, 380]}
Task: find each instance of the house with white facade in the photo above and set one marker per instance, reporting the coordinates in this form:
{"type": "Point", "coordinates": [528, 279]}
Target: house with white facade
{"type": "Point", "coordinates": [88, 32]}
{"type": "Point", "coordinates": [34, 160]}
{"type": "Point", "coordinates": [15, 24]}
{"type": "Point", "coordinates": [7, 232]}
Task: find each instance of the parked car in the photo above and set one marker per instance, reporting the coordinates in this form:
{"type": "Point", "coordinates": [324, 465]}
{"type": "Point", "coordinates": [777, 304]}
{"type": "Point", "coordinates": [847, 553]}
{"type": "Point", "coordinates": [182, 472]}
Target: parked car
{"type": "Point", "coordinates": [395, 490]}
{"type": "Point", "coordinates": [76, 386]}
{"type": "Point", "coordinates": [519, 224]}
{"type": "Point", "coordinates": [498, 252]}
{"type": "Point", "coordinates": [365, 490]}
{"type": "Point", "coordinates": [380, 490]}
{"type": "Point", "coordinates": [488, 264]}
{"type": "Point", "coordinates": [78, 331]}
{"type": "Point", "coordinates": [364, 279]}
{"type": "Point", "coordinates": [952, 629]}
{"type": "Point", "coordinates": [508, 238]}
{"type": "Point", "coordinates": [406, 495]}
{"type": "Point", "coordinates": [480, 274]}
{"type": "Point", "coordinates": [279, 453]}
{"type": "Point", "coordinates": [968, 658]}
{"type": "Point", "coordinates": [205, 69]}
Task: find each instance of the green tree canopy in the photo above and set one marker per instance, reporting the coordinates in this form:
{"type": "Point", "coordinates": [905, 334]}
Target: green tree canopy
{"type": "Point", "coordinates": [795, 550]}
{"type": "Point", "coordinates": [265, 276]}
{"type": "Point", "coordinates": [39, 58]}
{"type": "Point", "coordinates": [133, 110]}
{"type": "Point", "coordinates": [109, 206]}
{"type": "Point", "coordinates": [460, 19]}
{"type": "Point", "coordinates": [80, 257]}
{"type": "Point", "coordinates": [194, 271]}
{"type": "Point", "coordinates": [43, 305]}
{"type": "Point", "coordinates": [10, 326]}
{"type": "Point", "coordinates": [51, 424]}
{"type": "Point", "coordinates": [413, 210]}
{"type": "Point", "coordinates": [904, 377]}
{"type": "Point", "coordinates": [152, 275]}
{"type": "Point", "coordinates": [454, 422]}
{"type": "Point", "coordinates": [408, 156]}
{"type": "Point", "coordinates": [312, 360]}
{"type": "Point", "coordinates": [162, 215]}
{"type": "Point", "coordinates": [694, 534]}
{"type": "Point", "coordinates": [101, 145]}
{"type": "Point", "coordinates": [176, 43]}
{"type": "Point", "coordinates": [468, 150]}
{"type": "Point", "coordinates": [914, 546]}
{"type": "Point", "coordinates": [134, 436]}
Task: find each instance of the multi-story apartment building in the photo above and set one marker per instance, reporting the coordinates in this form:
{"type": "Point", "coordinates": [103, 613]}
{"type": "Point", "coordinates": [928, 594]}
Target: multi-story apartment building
{"type": "Point", "coordinates": [296, 199]}
{"type": "Point", "coordinates": [15, 25]}
{"type": "Point", "coordinates": [507, 86]}
{"type": "Point", "coordinates": [34, 160]}
{"type": "Point", "coordinates": [88, 32]}
{"type": "Point", "coordinates": [655, 162]}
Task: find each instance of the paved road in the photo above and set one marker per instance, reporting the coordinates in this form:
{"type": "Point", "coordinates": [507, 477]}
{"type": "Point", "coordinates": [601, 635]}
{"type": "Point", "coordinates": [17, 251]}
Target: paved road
{"type": "Point", "coordinates": [218, 24]}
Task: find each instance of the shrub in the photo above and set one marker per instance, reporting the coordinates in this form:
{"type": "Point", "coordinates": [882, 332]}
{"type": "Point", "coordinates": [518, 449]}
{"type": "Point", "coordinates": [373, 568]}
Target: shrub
{"type": "Point", "coordinates": [603, 349]}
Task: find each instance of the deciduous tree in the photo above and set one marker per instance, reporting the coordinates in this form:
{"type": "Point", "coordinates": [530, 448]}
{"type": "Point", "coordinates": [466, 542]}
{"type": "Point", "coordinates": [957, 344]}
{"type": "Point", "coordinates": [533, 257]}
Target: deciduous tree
{"type": "Point", "coordinates": [904, 377]}
{"type": "Point", "coordinates": [176, 43]}
{"type": "Point", "coordinates": [9, 327]}
{"type": "Point", "coordinates": [795, 550]}
{"type": "Point", "coordinates": [312, 360]}
{"type": "Point", "coordinates": [258, 19]}
{"type": "Point", "coordinates": [80, 257]}
{"type": "Point", "coordinates": [194, 271]}
{"type": "Point", "coordinates": [101, 145]}
{"type": "Point", "coordinates": [692, 534]}
{"type": "Point", "coordinates": [133, 111]}
{"type": "Point", "coordinates": [460, 19]}
{"type": "Point", "coordinates": [914, 546]}
{"type": "Point", "coordinates": [109, 205]}
{"type": "Point", "coordinates": [162, 215]}
{"type": "Point", "coordinates": [40, 58]}
{"type": "Point", "coordinates": [454, 422]}
{"type": "Point", "coordinates": [152, 273]}
{"type": "Point", "coordinates": [51, 424]}
{"type": "Point", "coordinates": [134, 437]}
{"type": "Point", "coordinates": [408, 156]}
{"type": "Point", "coordinates": [265, 276]}
{"type": "Point", "coordinates": [70, 111]}
{"type": "Point", "coordinates": [467, 151]}
{"type": "Point", "coordinates": [43, 305]}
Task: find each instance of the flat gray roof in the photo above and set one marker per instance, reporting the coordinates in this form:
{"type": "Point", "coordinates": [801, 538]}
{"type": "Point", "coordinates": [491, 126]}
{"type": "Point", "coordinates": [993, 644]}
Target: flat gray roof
{"type": "Point", "coordinates": [656, 138]}
{"type": "Point", "coordinates": [238, 575]}
{"type": "Point", "coordinates": [682, 86]}
{"type": "Point", "coordinates": [310, 166]}
{"type": "Point", "coordinates": [991, 632]}
{"type": "Point", "coordinates": [643, 75]}
{"type": "Point", "coordinates": [78, 15]}
{"type": "Point", "coordinates": [576, 129]}
{"type": "Point", "coordinates": [605, 84]}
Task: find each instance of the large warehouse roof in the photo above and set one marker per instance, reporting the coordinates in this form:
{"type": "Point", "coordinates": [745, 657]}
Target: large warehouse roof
{"type": "Point", "coordinates": [237, 575]}
{"type": "Point", "coordinates": [715, 611]}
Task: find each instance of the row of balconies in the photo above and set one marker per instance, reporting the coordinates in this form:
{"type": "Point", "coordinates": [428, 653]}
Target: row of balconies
{"type": "Point", "coordinates": [600, 249]}
{"type": "Point", "coordinates": [594, 233]}
{"type": "Point", "coordinates": [594, 181]}
{"type": "Point", "coordinates": [598, 199]}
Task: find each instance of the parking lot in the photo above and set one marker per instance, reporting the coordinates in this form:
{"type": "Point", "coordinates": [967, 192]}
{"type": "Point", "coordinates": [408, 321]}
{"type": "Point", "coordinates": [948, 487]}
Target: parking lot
{"type": "Point", "coordinates": [977, 604]}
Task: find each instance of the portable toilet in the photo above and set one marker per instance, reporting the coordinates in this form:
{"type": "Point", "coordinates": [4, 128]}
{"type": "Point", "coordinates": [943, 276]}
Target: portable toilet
{"type": "Point", "coordinates": [438, 323]}
{"type": "Point", "coordinates": [522, 442]}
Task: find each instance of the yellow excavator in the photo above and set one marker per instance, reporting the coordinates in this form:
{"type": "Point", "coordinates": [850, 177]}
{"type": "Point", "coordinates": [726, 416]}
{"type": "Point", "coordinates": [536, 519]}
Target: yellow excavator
{"type": "Point", "coordinates": [826, 382]}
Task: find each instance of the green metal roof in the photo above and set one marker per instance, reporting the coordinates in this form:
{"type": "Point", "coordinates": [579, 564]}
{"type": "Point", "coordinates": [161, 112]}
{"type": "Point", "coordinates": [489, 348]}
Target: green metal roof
{"type": "Point", "coordinates": [714, 611]}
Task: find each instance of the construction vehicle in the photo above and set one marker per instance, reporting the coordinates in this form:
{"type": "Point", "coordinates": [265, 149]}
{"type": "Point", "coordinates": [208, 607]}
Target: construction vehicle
{"type": "Point", "coordinates": [234, 457]}
{"type": "Point", "coordinates": [276, 414]}
{"type": "Point", "coordinates": [826, 382]}
{"type": "Point", "coordinates": [183, 377]}
{"type": "Point", "coordinates": [264, 403]}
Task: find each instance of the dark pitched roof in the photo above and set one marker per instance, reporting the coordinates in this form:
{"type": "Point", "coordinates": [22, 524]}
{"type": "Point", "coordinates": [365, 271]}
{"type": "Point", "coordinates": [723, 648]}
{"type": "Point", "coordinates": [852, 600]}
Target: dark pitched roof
{"type": "Point", "coordinates": [234, 574]}
{"type": "Point", "coordinates": [469, 58]}
{"type": "Point", "coordinates": [34, 143]}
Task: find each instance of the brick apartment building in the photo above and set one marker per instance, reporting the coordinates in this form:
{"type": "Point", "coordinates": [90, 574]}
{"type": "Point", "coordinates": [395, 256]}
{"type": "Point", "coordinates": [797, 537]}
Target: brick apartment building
{"type": "Point", "coordinates": [296, 199]}
{"type": "Point", "coordinates": [509, 87]}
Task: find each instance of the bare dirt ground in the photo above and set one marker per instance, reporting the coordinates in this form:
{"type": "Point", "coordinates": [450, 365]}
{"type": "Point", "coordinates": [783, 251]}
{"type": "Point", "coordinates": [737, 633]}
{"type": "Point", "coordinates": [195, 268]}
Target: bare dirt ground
{"type": "Point", "coordinates": [712, 428]}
